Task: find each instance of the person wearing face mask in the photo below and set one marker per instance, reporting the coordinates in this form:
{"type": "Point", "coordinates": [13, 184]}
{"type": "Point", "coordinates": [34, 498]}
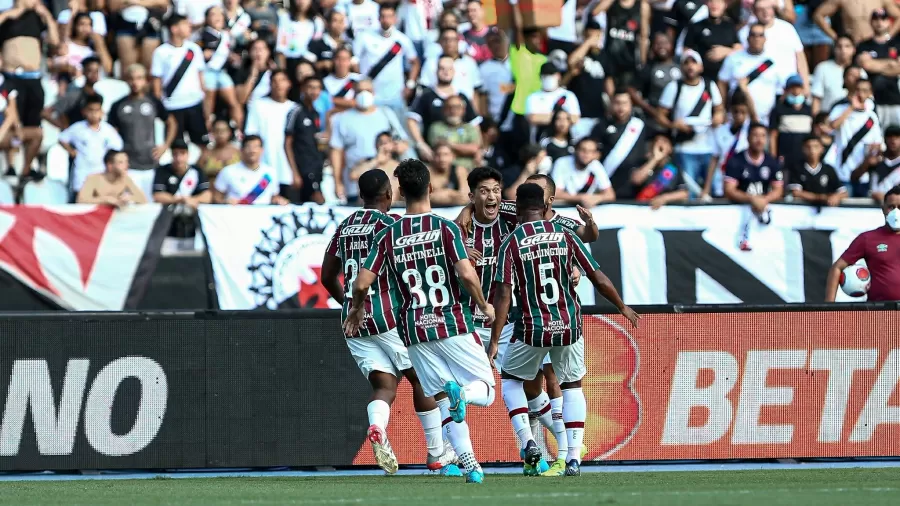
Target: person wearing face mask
{"type": "Point", "coordinates": [757, 72]}
{"type": "Point", "coordinates": [353, 135]}
{"type": "Point", "coordinates": [789, 124]}
{"type": "Point", "coordinates": [540, 105]}
{"type": "Point", "coordinates": [428, 107]}
{"type": "Point", "coordinates": [463, 138]}
{"type": "Point", "coordinates": [880, 248]}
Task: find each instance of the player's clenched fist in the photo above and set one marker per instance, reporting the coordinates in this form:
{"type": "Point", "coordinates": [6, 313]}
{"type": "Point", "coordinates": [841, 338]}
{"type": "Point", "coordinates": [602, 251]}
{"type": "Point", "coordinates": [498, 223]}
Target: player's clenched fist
{"type": "Point", "coordinates": [488, 311]}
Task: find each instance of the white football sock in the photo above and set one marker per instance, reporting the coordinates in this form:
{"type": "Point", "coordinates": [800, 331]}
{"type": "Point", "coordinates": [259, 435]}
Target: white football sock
{"type": "Point", "coordinates": [479, 393]}
{"type": "Point", "coordinates": [379, 413]}
{"type": "Point", "coordinates": [458, 435]}
{"type": "Point", "coordinates": [574, 414]}
{"type": "Point", "coordinates": [559, 428]}
{"type": "Point", "coordinates": [431, 424]}
{"type": "Point", "coordinates": [540, 409]}
{"type": "Point", "coordinates": [517, 406]}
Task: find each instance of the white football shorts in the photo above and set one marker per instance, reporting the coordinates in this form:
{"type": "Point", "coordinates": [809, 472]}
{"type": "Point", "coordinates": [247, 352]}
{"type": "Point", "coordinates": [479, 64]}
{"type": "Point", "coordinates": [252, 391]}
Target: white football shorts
{"type": "Point", "coordinates": [458, 358]}
{"type": "Point", "coordinates": [485, 336]}
{"type": "Point", "coordinates": [524, 361]}
{"type": "Point", "coordinates": [383, 352]}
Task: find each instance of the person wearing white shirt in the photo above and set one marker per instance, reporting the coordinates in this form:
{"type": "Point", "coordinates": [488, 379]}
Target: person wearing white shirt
{"type": "Point", "coordinates": [466, 79]}
{"type": "Point", "coordinates": [756, 72]}
{"type": "Point", "coordinates": [382, 57]}
{"type": "Point", "coordinates": [782, 41]}
{"type": "Point", "coordinates": [857, 133]}
{"type": "Point", "coordinates": [540, 105]}
{"type": "Point", "coordinates": [267, 117]}
{"type": "Point", "coordinates": [496, 74]}
{"type": "Point", "coordinates": [248, 182]}
{"type": "Point", "coordinates": [195, 10]}
{"type": "Point", "coordinates": [728, 139]}
{"type": "Point", "coordinates": [295, 31]}
{"type": "Point", "coordinates": [362, 16]}
{"type": "Point", "coordinates": [827, 86]}
{"type": "Point", "coordinates": [88, 141]}
{"type": "Point", "coordinates": [564, 36]}
{"type": "Point", "coordinates": [177, 72]}
{"type": "Point", "coordinates": [580, 178]}
{"type": "Point", "coordinates": [340, 82]}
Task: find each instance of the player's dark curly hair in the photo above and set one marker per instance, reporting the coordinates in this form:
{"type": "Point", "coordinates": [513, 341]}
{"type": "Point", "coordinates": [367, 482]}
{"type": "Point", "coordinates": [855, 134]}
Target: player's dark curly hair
{"type": "Point", "coordinates": [529, 196]}
{"type": "Point", "coordinates": [414, 178]}
{"type": "Point", "coordinates": [480, 174]}
{"type": "Point", "coordinates": [893, 191]}
{"type": "Point", "coordinates": [547, 179]}
{"type": "Point", "coordinates": [373, 184]}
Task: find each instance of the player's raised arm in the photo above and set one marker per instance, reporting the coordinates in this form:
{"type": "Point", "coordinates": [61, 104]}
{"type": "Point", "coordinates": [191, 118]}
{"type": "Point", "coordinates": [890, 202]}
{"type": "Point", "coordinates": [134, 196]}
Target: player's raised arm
{"type": "Point", "coordinates": [602, 283]}
{"type": "Point", "coordinates": [589, 231]}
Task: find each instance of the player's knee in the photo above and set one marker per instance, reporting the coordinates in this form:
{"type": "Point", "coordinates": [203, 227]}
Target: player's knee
{"type": "Point", "coordinates": [492, 393]}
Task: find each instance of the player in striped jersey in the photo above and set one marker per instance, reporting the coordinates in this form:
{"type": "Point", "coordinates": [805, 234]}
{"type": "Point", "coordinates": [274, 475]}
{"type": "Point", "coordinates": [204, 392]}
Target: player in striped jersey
{"type": "Point", "coordinates": [421, 252]}
{"type": "Point", "coordinates": [546, 407]}
{"type": "Point", "coordinates": [377, 348]}
{"type": "Point", "coordinates": [535, 259]}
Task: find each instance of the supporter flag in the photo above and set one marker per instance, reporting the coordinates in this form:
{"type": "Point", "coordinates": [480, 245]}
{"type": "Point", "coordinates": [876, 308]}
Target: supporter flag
{"type": "Point", "coordinates": [82, 257]}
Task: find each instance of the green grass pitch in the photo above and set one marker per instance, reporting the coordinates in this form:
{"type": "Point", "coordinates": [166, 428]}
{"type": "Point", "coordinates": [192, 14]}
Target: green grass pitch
{"type": "Point", "coordinates": [819, 487]}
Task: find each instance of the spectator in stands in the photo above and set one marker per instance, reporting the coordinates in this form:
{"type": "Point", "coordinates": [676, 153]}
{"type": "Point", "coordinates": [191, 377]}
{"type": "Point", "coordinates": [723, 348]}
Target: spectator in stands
{"type": "Point", "coordinates": [295, 32]}
{"type": "Point", "coordinates": [449, 20]}
{"type": "Point", "coordinates": [21, 30]}
{"type": "Point", "coordinates": [526, 61]}
{"type": "Point", "coordinates": [715, 38]}
{"type": "Point", "coordinates": [387, 158]}
{"type": "Point", "coordinates": [540, 105]}
{"type": "Point", "coordinates": [589, 79]}
{"type": "Point", "coordinates": [448, 180]}
{"type": "Point", "coordinates": [757, 72]}
{"type": "Point", "coordinates": [789, 125]}
{"type": "Point", "coordinates": [93, 8]}
{"type": "Point", "coordinates": [828, 78]}
{"type": "Point", "coordinates": [9, 123]}
{"type": "Point", "coordinates": [463, 138]}
{"type": "Point", "coordinates": [692, 107]}
{"type": "Point", "coordinates": [263, 20]}
{"type": "Point", "coordinates": [466, 76]}
{"type": "Point", "coordinates": [339, 84]}
{"type": "Point", "coordinates": [496, 74]}
{"type": "Point", "coordinates": [654, 78]}
{"type": "Point", "coordinates": [728, 139]}
{"type": "Point", "coordinates": [67, 109]}
{"type": "Point", "coordinates": [658, 181]}
{"type": "Point", "coordinates": [87, 142]}
{"type": "Point", "coordinates": [353, 137]}
{"type": "Point", "coordinates": [857, 133]}
{"type": "Point", "coordinates": [112, 186]}
{"type": "Point", "coordinates": [580, 178]}
{"type": "Point", "coordinates": [854, 17]}
{"type": "Point", "coordinates": [623, 140]}
{"type": "Point", "coordinates": [782, 41]}
{"type": "Point", "coordinates": [221, 153]}
{"type": "Point", "coordinates": [180, 183]}
{"type": "Point", "coordinates": [822, 129]}
{"type": "Point", "coordinates": [301, 142]}
{"type": "Point", "coordinates": [137, 26]}
{"type": "Point", "coordinates": [754, 177]}
{"type": "Point", "coordinates": [885, 167]}
{"type": "Point", "coordinates": [216, 42]}
{"type": "Point", "coordinates": [253, 80]}
{"type": "Point", "coordinates": [267, 118]}
{"type": "Point", "coordinates": [816, 182]}
{"type": "Point", "coordinates": [134, 117]}
{"type": "Point", "coordinates": [178, 81]}
{"type": "Point", "coordinates": [428, 108]}
{"type": "Point", "coordinates": [493, 152]}
{"type": "Point", "coordinates": [237, 21]}
{"type": "Point", "coordinates": [324, 50]}
{"type": "Point", "coordinates": [78, 44]}
{"type": "Point", "coordinates": [558, 141]}
{"type": "Point", "coordinates": [878, 57]}
{"type": "Point", "coordinates": [477, 34]}
{"type": "Point", "coordinates": [248, 182]}
{"type": "Point", "coordinates": [362, 16]}
{"type": "Point", "coordinates": [535, 162]}
{"type": "Point", "coordinates": [627, 38]}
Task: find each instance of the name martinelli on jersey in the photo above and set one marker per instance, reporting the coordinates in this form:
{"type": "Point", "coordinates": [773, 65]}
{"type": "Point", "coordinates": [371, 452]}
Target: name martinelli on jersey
{"type": "Point", "coordinates": [417, 255]}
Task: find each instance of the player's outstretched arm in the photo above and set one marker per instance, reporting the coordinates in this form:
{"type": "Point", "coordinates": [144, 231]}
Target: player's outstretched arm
{"type": "Point", "coordinates": [472, 284]}
{"type": "Point", "coordinates": [502, 301]}
{"type": "Point", "coordinates": [331, 270]}
{"type": "Point", "coordinates": [834, 275]}
{"type": "Point", "coordinates": [608, 290]}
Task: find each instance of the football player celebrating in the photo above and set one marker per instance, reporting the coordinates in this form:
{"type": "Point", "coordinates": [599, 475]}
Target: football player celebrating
{"type": "Point", "coordinates": [377, 348]}
{"type": "Point", "coordinates": [535, 260]}
{"type": "Point", "coordinates": [421, 252]}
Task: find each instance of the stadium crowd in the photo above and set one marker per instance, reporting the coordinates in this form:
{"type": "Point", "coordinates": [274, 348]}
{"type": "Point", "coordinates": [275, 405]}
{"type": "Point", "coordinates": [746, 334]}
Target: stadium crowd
{"type": "Point", "coordinates": [259, 102]}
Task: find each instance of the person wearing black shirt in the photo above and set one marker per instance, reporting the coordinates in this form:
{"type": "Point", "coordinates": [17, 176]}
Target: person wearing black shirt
{"type": "Point", "coordinates": [623, 141]}
{"type": "Point", "coordinates": [877, 56]}
{"type": "Point", "coordinates": [627, 22]}
{"type": "Point", "coordinates": [658, 181]}
{"type": "Point", "coordinates": [333, 39]}
{"type": "Point", "coordinates": [715, 38]}
{"type": "Point", "coordinates": [816, 182]}
{"type": "Point", "coordinates": [654, 77]}
{"type": "Point", "coordinates": [558, 142]}
{"type": "Point", "coordinates": [67, 110]}
{"type": "Point", "coordinates": [590, 77]}
{"type": "Point", "coordinates": [182, 187]}
{"type": "Point", "coordinates": [790, 122]}
{"type": "Point", "coordinates": [301, 145]}
{"type": "Point", "coordinates": [885, 165]}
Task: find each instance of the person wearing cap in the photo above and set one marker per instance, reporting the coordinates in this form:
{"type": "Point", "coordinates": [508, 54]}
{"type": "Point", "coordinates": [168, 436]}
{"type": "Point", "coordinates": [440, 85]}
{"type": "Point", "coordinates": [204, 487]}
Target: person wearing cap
{"type": "Point", "coordinates": [878, 57]}
{"type": "Point", "coordinates": [541, 105]}
{"type": "Point", "coordinates": [692, 107]}
{"type": "Point", "coordinates": [179, 182]}
{"type": "Point", "coordinates": [884, 167]}
{"type": "Point", "coordinates": [757, 72]}
{"type": "Point", "coordinates": [789, 124]}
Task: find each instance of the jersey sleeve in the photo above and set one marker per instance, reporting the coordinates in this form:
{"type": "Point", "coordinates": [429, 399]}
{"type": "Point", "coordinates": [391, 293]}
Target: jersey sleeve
{"type": "Point", "coordinates": [453, 244]}
{"type": "Point", "coordinates": [202, 183]}
{"type": "Point", "coordinates": [580, 254]}
{"type": "Point", "coordinates": [856, 250]}
{"type": "Point", "coordinates": [332, 248]}
{"type": "Point", "coordinates": [733, 171]}
{"type": "Point", "coordinates": [505, 262]}
{"type": "Point", "coordinates": [667, 99]}
{"type": "Point", "coordinates": [377, 257]}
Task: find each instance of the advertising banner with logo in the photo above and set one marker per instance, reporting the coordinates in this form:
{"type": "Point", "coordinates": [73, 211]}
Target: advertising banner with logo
{"type": "Point", "coordinates": [264, 389]}
{"type": "Point", "coordinates": [270, 257]}
{"type": "Point", "coordinates": [82, 257]}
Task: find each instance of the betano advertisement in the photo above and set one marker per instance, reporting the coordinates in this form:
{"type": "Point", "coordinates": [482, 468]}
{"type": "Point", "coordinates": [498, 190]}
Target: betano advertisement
{"type": "Point", "coordinates": [717, 386]}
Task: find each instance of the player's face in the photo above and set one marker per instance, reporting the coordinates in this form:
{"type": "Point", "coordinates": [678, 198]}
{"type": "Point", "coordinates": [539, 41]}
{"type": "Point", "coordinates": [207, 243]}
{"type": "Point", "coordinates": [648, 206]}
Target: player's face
{"type": "Point", "coordinates": [486, 198]}
{"type": "Point", "coordinates": [137, 81]}
{"type": "Point", "coordinates": [548, 198]}
{"type": "Point", "coordinates": [890, 203]}
{"type": "Point", "coordinates": [813, 150]}
{"type": "Point", "coordinates": [757, 139]}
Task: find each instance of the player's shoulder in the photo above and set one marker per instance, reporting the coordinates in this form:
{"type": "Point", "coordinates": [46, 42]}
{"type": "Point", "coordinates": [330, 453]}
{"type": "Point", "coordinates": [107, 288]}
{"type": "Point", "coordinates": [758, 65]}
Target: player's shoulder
{"type": "Point", "coordinates": [565, 223]}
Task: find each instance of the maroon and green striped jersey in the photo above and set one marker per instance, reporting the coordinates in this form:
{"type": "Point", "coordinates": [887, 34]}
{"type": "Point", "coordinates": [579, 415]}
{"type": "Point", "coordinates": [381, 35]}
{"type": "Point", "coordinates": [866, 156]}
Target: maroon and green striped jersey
{"type": "Point", "coordinates": [537, 259]}
{"type": "Point", "coordinates": [351, 243]}
{"type": "Point", "coordinates": [420, 253]}
{"type": "Point", "coordinates": [487, 239]}
{"type": "Point", "coordinates": [508, 211]}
